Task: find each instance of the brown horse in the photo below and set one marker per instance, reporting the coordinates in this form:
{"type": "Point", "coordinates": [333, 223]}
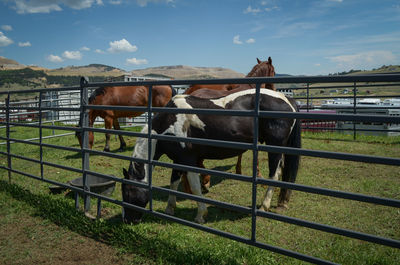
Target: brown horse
{"type": "Point", "coordinates": [122, 96]}
{"type": "Point", "coordinates": [261, 69]}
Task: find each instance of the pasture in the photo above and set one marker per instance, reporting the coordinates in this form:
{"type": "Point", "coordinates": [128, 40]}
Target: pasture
{"type": "Point", "coordinates": [156, 241]}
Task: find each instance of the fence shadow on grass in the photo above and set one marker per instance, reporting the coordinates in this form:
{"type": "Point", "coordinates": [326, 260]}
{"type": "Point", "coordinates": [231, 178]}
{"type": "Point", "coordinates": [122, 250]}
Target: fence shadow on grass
{"type": "Point", "coordinates": [112, 232]}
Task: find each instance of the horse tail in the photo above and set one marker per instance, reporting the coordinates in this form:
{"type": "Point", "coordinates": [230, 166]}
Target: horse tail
{"type": "Point", "coordinates": [174, 92]}
{"type": "Point", "coordinates": [292, 162]}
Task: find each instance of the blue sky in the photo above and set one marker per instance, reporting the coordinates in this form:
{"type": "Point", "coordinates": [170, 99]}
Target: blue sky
{"type": "Point", "coordinates": [302, 37]}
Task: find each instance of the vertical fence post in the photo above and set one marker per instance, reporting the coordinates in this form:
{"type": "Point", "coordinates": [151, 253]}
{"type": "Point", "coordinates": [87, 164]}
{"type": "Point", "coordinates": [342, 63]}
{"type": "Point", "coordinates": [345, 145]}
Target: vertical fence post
{"type": "Point", "coordinates": [255, 162]}
{"type": "Point", "coordinates": [8, 137]}
{"type": "Point", "coordinates": [308, 96]}
{"type": "Point", "coordinates": [149, 158]}
{"type": "Point", "coordinates": [85, 141]}
{"type": "Point", "coordinates": [40, 135]}
{"type": "Point", "coordinates": [354, 109]}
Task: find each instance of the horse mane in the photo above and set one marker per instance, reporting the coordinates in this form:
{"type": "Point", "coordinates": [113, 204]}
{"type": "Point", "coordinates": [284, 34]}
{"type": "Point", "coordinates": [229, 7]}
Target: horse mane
{"type": "Point", "coordinates": [99, 91]}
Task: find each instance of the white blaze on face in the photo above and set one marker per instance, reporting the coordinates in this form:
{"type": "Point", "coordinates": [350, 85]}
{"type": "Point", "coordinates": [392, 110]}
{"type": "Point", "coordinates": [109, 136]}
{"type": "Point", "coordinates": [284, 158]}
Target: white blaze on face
{"type": "Point", "coordinates": [184, 121]}
{"type": "Point", "coordinates": [141, 150]}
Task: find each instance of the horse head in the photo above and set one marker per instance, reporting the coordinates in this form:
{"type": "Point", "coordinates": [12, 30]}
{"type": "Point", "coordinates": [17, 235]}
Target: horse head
{"type": "Point", "coordinates": [263, 69]}
{"type": "Point", "coordinates": [134, 195]}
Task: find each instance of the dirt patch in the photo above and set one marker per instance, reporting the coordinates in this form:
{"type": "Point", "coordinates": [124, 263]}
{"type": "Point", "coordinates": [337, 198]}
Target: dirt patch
{"type": "Point", "coordinates": [32, 240]}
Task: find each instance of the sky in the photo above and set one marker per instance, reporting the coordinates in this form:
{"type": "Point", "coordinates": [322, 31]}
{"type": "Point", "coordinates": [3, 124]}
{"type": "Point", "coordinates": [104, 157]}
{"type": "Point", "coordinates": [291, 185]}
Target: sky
{"type": "Point", "coordinates": [313, 37]}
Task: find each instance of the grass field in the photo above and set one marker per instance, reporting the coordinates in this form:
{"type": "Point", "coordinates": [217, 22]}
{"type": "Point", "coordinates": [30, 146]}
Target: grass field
{"type": "Point", "coordinates": [43, 228]}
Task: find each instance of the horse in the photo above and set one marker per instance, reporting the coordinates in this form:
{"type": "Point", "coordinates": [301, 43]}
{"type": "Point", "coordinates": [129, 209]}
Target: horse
{"type": "Point", "coordinates": [122, 96]}
{"type": "Point", "coordinates": [262, 68]}
{"type": "Point", "coordinates": [272, 131]}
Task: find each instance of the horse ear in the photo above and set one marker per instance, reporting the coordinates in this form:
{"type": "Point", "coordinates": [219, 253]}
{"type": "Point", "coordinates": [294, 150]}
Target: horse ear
{"type": "Point", "coordinates": [126, 174]}
{"type": "Point", "coordinates": [258, 61]}
{"type": "Point", "coordinates": [269, 60]}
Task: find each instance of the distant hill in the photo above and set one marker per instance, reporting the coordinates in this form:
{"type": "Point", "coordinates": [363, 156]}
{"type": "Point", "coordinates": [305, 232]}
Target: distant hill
{"type": "Point", "coordinates": [87, 70]}
{"type": "Point", "coordinates": [9, 64]}
{"type": "Point", "coordinates": [385, 69]}
{"type": "Point", "coordinates": [188, 72]}
{"type": "Point", "coordinates": [4, 60]}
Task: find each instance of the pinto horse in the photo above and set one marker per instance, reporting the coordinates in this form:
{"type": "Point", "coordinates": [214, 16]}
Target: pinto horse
{"type": "Point", "coordinates": [122, 96]}
{"type": "Point", "coordinates": [272, 131]}
{"type": "Point", "coordinates": [261, 69]}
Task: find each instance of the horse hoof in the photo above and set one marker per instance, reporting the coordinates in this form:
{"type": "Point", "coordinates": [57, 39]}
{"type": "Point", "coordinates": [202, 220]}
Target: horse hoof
{"type": "Point", "coordinates": [199, 220]}
{"type": "Point", "coordinates": [204, 189]}
{"type": "Point", "coordinates": [106, 149]}
{"type": "Point", "coordinates": [169, 210]}
{"type": "Point", "coordinates": [282, 207]}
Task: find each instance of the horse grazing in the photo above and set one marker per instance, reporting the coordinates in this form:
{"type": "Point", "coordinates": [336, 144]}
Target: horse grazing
{"type": "Point", "coordinates": [261, 69]}
{"type": "Point", "coordinates": [272, 131]}
{"type": "Point", "coordinates": [122, 96]}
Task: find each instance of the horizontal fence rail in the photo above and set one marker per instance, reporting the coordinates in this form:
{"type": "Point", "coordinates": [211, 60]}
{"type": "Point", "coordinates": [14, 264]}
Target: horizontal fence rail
{"type": "Point", "coordinates": [53, 106]}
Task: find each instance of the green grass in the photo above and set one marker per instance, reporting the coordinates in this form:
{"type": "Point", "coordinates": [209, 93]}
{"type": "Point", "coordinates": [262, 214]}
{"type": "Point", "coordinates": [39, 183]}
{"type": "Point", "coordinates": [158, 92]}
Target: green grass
{"type": "Point", "coordinates": [157, 241]}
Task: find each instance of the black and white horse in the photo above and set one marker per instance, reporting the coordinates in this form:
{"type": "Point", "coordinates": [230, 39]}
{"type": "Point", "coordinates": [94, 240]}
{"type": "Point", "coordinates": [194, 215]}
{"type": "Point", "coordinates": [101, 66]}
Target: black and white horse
{"type": "Point", "coordinates": [272, 131]}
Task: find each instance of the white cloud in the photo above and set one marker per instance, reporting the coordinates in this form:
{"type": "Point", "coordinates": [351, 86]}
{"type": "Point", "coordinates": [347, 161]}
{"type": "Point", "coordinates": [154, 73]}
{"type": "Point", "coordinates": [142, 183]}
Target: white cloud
{"type": "Point", "coordinates": [338, 1]}
{"type": "Point", "coordinates": [115, 2]}
{"type": "Point", "coordinates": [317, 64]}
{"type": "Point", "coordinates": [269, 9]}
{"type": "Point", "coordinates": [47, 6]}
{"type": "Point", "coordinates": [6, 27]}
{"type": "Point", "coordinates": [24, 7]}
{"type": "Point", "coordinates": [295, 29]}
{"type": "Point", "coordinates": [236, 40]}
{"type": "Point", "coordinates": [24, 44]}
{"type": "Point", "coordinates": [121, 46]}
{"type": "Point", "coordinates": [251, 10]}
{"type": "Point", "coordinates": [4, 40]}
{"type": "Point", "coordinates": [135, 61]}
{"type": "Point", "coordinates": [250, 41]}
{"type": "Point", "coordinates": [364, 60]}
{"type": "Point", "coordinates": [99, 51]}
{"type": "Point", "coordinates": [72, 55]}
{"type": "Point", "coordinates": [84, 48]}
{"type": "Point", "coordinates": [144, 3]}
{"type": "Point", "coordinates": [54, 58]}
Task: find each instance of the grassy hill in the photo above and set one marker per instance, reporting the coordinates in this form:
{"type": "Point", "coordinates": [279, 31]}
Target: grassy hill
{"type": "Point", "coordinates": [189, 72]}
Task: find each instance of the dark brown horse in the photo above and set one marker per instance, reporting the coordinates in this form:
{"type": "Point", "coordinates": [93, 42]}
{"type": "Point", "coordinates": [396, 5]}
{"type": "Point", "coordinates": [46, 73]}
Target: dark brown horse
{"type": "Point", "coordinates": [261, 69]}
{"type": "Point", "coordinates": [123, 96]}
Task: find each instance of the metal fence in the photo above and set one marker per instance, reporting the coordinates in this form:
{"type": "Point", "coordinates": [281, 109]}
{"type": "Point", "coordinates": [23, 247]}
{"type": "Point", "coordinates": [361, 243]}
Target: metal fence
{"type": "Point", "coordinates": [86, 173]}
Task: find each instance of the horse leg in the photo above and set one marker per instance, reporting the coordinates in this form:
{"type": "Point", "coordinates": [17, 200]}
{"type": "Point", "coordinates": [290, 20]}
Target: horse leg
{"type": "Point", "coordinates": [205, 178]}
{"type": "Point", "coordinates": [194, 182]}
{"type": "Point", "coordinates": [108, 121]}
{"type": "Point", "coordinates": [121, 139]}
{"type": "Point", "coordinates": [285, 193]}
{"type": "Point", "coordinates": [175, 179]}
{"type": "Point", "coordinates": [239, 165]}
{"type": "Point", "coordinates": [185, 184]}
{"type": "Point", "coordinates": [284, 197]}
{"type": "Point", "coordinates": [275, 162]}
